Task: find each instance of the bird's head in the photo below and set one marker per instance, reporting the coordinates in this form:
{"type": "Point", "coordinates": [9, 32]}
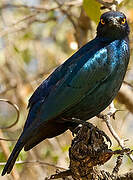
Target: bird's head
{"type": "Point", "coordinates": [113, 25]}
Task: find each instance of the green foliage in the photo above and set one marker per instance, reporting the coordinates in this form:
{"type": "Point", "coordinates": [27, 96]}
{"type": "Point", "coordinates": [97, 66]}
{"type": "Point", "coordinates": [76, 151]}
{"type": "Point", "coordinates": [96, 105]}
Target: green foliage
{"type": "Point", "coordinates": [92, 8]}
{"type": "Point", "coordinates": [28, 36]}
{"type": "Point", "coordinates": [47, 153]}
{"type": "Point", "coordinates": [26, 55]}
{"type": "Point", "coordinates": [2, 157]}
{"type": "Point", "coordinates": [55, 159]}
{"type": "Point", "coordinates": [16, 49]}
{"type": "Point", "coordinates": [65, 148]}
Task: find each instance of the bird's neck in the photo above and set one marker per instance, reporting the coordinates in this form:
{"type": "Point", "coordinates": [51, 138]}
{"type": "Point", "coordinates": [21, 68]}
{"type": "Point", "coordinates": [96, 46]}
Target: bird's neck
{"type": "Point", "coordinates": [109, 40]}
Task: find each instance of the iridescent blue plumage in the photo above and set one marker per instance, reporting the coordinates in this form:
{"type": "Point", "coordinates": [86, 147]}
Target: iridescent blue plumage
{"type": "Point", "coordinates": [82, 87]}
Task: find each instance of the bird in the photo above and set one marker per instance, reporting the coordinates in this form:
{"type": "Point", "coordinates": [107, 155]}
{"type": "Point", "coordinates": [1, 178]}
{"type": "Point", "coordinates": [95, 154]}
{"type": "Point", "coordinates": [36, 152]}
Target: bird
{"type": "Point", "coordinates": [82, 87]}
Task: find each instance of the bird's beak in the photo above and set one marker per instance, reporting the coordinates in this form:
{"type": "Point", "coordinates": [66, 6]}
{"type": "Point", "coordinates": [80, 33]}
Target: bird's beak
{"type": "Point", "coordinates": [113, 22]}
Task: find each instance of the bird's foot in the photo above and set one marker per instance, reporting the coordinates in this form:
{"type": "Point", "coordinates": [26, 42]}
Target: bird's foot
{"type": "Point", "coordinates": [77, 123]}
{"type": "Point", "coordinates": [104, 135]}
{"type": "Point", "coordinates": [80, 123]}
{"type": "Point", "coordinates": [75, 130]}
{"type": "Point", "coordinates": [90, 126]}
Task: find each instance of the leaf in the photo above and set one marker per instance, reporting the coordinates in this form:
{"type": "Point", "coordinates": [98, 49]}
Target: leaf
{"type": "Point", "coordinates": [26, 55]}
{"type": "Point", "coordinates": [28, 36]}
{"type": "Point", "coordinates": [55, 159]}
{"type": "Point", "coordinates": [92, 8]}
{"type": "Point", "coordinates": [16, 49]}
{"type": "Point", "coordinates": [65, 148]}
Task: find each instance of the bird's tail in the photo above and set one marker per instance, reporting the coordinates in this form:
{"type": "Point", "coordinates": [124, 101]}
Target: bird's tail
{"type": "Point", "coordinates": [10, 163]}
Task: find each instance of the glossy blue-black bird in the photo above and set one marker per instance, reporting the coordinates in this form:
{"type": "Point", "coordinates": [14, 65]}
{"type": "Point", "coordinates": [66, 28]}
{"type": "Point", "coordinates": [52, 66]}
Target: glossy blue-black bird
{"type": "Point", "coordinates": [80, 88]}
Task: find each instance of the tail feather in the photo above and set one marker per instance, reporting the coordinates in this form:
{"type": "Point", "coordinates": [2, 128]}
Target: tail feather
{"type": "Point", "coordinates": [11, 161]}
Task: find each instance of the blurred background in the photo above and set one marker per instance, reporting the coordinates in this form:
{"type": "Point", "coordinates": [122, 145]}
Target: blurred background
{"type": "Point", "coordinates": [36, 36]}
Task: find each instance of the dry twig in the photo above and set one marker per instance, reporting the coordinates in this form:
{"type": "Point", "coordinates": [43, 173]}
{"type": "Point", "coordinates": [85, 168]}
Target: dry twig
{"type": "Point", "coordinates": [118, 164]}
{"type": "Point", "coordinates": [6, 152]}
{"type": "Point", "coordinates": [110, 5]}
{"type": "Point", "coordinates": [17, 110]}
{"type": "Point", "coordinates": [125, 96]}
{"type": "Point", "coordinates": [40, 8]}
{"type": "Point", "coordinates": [33, 162]}
{"type": "Point", "coordinates": [106, 118]}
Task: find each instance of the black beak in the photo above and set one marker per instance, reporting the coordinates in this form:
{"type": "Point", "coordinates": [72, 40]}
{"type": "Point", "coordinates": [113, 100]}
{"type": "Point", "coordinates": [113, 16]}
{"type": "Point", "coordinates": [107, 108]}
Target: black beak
{"type": "Point", "coordinates": [113, 22]}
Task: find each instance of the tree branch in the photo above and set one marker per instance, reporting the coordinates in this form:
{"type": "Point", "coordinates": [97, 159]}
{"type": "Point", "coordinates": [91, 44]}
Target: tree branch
{"type": "Point", "coordinates": [17, 110]}
{"type": "Point", "coordinates": [125, 96]}
{"type": "Point", "coordinates": [106, 119]}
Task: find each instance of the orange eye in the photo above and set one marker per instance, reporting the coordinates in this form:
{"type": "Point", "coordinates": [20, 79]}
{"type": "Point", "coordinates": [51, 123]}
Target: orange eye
{"type": "Point", "coordinates": [102, 22]}
{"type": "Point", "coordinates": [123, 21]}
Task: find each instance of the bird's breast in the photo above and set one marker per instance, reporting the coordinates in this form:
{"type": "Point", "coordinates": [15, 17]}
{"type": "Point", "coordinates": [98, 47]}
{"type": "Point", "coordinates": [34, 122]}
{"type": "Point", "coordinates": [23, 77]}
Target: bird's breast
{"type": "Point", "coordinates": [108, 68]}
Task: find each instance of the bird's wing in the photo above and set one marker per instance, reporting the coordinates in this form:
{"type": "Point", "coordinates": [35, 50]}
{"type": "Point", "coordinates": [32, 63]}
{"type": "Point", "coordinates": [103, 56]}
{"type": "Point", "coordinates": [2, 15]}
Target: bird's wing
{"type": "Point", "coordinates": [47, 85]}
{"type": "Point", "coordinates": [81, 77]}
{"type": "Point", "coordinates": [42, 92]}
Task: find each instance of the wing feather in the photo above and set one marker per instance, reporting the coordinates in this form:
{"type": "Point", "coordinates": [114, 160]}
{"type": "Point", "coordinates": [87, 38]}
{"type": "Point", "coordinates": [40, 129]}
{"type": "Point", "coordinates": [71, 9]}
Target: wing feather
{"type": "Point", "coordinates": [81, 77]}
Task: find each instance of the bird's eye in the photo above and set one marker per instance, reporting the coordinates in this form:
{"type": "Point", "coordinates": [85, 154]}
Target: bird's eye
{"type": "Point", "coordinates": [123, 21]}
{"type": "Point", "coordinates": [102, 21]}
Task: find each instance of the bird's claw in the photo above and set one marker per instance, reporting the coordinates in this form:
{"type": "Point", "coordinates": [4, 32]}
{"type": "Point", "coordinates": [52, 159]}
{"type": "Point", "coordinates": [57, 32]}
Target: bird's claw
{"type": "Point", "coordinates": [104, 135]}
{"type": "Point", "coordinates": [91, 126]}
{"type": "Point", "coordinates": [75, 130]}
{"type": "Point", "coordinates": [99, 131]}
